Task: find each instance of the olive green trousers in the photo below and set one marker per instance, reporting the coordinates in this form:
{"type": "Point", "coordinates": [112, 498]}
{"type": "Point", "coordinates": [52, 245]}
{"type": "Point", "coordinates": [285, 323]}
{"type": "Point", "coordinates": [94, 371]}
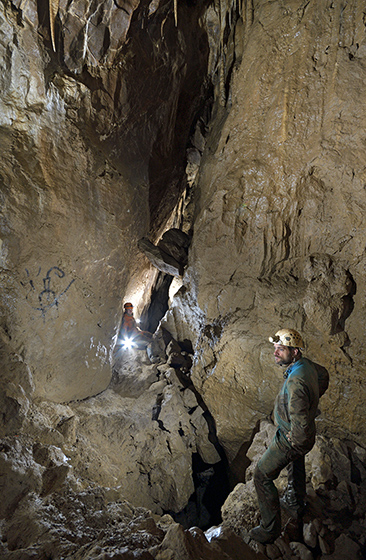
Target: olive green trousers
{"type": "Point", "coordinates": [279, 455]}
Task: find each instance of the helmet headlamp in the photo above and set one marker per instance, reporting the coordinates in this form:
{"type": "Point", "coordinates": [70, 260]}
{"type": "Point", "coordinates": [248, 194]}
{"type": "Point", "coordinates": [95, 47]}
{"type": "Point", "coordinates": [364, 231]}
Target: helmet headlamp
{"type": "Point", "coordinates": [288, 337]}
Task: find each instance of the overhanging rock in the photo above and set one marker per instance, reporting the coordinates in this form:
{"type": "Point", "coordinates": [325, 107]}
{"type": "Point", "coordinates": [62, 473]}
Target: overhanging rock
{"type": "Point", "coordinates": [159, 258]}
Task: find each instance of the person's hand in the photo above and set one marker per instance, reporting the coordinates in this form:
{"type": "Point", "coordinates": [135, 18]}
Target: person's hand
{"type": "Point", "coordinates": [288, 437]}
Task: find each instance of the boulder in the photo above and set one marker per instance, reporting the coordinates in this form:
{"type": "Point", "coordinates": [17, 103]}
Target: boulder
{"type": "Point", "coordinates": [159, 258]}
{"type": "Point", "coordinates": [175, 243]}
{"type": "Point", "coordinates": [344, 547]}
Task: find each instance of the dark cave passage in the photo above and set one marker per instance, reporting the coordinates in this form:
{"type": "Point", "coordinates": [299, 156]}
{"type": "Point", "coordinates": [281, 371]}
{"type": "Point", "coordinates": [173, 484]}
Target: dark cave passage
{"type": "Point", "coordinates": [211, 490]}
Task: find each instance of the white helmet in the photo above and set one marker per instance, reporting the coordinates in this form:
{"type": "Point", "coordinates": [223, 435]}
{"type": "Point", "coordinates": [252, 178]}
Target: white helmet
{"type": "Point", "coordinates": [288, 337]}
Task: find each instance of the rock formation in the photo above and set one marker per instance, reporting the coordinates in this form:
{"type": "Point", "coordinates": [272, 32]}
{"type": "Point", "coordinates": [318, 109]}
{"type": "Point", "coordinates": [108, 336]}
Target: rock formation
{"type": "Point", "coordinates": [219, 144]}
{"type": "Point", "coordinates": [278, 234]}
{"type": "Point", "coordinates": [88, 159]}
{"type": "Point", "coordinates": [170, 255]}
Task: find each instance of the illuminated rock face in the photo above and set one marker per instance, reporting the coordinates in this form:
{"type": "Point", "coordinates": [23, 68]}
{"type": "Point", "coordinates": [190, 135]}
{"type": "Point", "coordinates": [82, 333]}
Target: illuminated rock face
{"type": "Point", "coordinates": [88, 142]}
{"type": "Point", "coordinates": [279, 233]}
{"type": "Point", "coordinates": [66, 210]}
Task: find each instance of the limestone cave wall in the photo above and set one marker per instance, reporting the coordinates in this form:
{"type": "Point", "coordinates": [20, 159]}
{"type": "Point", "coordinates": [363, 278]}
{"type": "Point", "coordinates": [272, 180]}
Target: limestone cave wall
{"type": "Point", "coordinates": [241, 123]}
{"type": "Point", "coordinates": [279, 229]}
{"type": "Point", "coordinates": [93, 137]}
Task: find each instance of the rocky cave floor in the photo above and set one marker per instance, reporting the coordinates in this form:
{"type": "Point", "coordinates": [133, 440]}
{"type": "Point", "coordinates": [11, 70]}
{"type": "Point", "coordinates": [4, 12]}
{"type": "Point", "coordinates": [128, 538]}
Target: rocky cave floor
{"type": "Point", "coordinates": [47, 514]}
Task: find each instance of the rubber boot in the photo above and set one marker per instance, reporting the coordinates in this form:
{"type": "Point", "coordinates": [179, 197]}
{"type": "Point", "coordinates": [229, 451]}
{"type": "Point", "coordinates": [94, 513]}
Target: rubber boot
{"type": "Point", "coordinates": [293, 500]}
{"type": "Point", "coordinates": [262, 536]}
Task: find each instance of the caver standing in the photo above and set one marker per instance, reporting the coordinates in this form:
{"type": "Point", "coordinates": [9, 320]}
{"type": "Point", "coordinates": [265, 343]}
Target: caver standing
{"type": "Point", "coordinates": [295, 409]}
{"type": "Point", "coordinates": [130, 331]}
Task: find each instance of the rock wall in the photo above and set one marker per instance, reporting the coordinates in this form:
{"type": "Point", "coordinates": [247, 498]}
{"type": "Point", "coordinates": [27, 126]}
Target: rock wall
{"type": "Point", "coordinates": [279, 231]}
{"type": "Point", "coordinates": [91, 132]}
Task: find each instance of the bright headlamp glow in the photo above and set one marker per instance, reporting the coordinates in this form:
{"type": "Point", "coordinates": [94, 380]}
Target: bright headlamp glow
{"type": "Point", "coordinates": [275, 339]}
{"type": "Point", "coordinates": [128, 343]}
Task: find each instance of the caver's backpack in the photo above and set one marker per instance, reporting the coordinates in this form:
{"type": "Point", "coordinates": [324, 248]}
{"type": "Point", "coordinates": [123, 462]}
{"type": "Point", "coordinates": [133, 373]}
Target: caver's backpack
{"type": "Point", "coordinates": [323, 378]}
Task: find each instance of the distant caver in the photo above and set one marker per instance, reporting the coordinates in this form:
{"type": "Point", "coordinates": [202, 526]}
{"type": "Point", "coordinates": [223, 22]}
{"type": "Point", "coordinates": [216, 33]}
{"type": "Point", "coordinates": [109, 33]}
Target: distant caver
{"type": "Point", "coordinates": [295, 410]}
{"type": "Point", "coordinates": [131, 333]}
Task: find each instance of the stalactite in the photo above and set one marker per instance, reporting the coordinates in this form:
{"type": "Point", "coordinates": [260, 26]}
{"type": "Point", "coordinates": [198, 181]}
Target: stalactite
{"type": "Point", "coordinates": [176, 13]}
{"type": "Point", "coordinates": [53, 8]}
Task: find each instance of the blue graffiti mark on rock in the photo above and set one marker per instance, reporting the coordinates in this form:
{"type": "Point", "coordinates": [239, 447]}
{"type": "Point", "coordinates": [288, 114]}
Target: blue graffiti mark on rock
{"type": "Point", "coordinates": [50, 295]}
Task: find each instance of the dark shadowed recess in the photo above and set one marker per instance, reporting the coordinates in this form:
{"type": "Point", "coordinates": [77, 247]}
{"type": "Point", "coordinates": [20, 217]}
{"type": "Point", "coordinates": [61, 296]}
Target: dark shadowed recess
{"type": "Point", "coordinates": [170, 69]}
{"type": "Point", "coordinates": [211, 490]}
{"type": "Point", "coordinates": [145, 104]}
{"type": "Point", "coordinates": [158, 303]}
